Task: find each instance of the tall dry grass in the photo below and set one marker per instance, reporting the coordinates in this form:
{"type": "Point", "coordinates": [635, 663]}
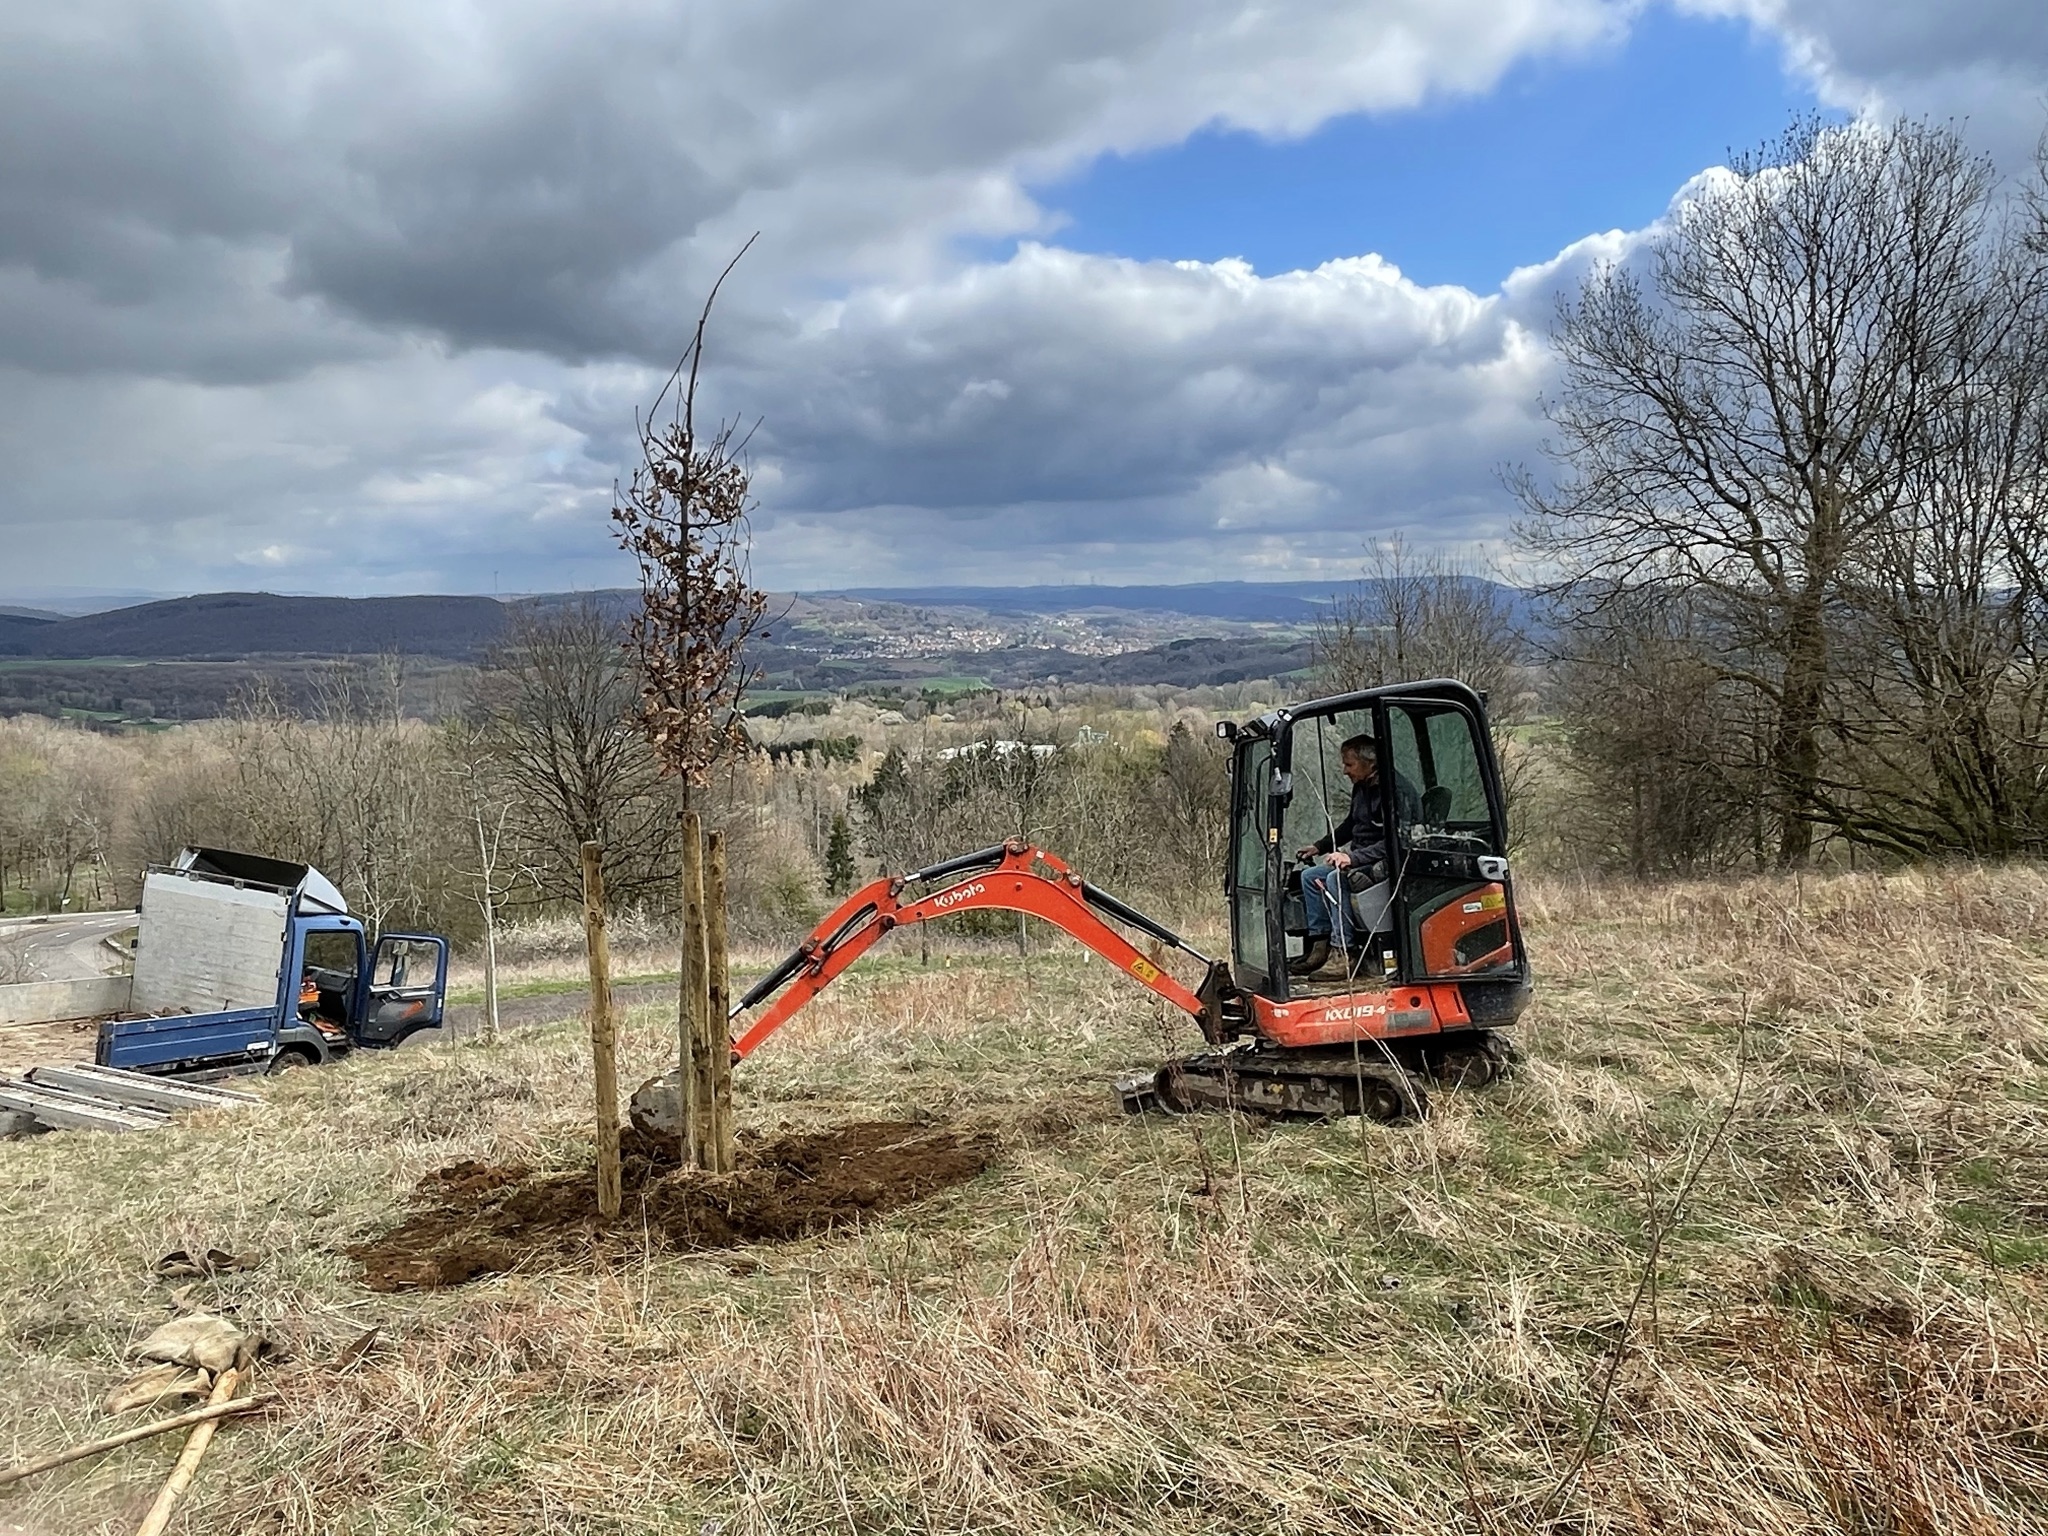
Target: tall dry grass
{"type": "Point", "coordinates": [1819, 1103]}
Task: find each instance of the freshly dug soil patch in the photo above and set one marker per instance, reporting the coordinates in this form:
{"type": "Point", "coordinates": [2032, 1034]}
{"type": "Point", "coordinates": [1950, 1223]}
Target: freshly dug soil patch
{"type": "Point", "coordinates": [478, 1219]}
{"type": "Point", "coordinates": [469, 1181]}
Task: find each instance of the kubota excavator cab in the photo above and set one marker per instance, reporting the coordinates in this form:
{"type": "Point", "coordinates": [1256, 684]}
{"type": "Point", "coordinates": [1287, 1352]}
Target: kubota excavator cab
{"type": "Point", "coordinates": [1433, 922]}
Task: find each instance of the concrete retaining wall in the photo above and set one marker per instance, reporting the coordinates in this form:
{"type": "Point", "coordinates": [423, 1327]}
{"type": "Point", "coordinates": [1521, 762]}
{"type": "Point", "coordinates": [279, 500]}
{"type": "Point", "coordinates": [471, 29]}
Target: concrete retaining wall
{"type": "Point", "coordinates": [44, 1002]}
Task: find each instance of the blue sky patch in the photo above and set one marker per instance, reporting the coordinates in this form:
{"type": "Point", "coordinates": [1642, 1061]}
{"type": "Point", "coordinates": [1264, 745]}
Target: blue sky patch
{"type": "Point", "coordinates": [1459, 191]}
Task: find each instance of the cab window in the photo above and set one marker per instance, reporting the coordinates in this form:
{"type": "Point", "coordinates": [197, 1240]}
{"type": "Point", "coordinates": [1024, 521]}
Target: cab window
{"type": "Point", "coordinates": [327, 978]}
{"type": "Point", "coordinates": [1456, 917]}
{"type": "Point", "coordinates": [405, 964]}
{"type": "Point", "coordinates": [1434, 750]}
{"type": "Point", "coordinates": [331, 957]}
{"type": "Point", "coordinates": [1248, 903]}
{"type": "Point", "coordinates": [1321, 797]}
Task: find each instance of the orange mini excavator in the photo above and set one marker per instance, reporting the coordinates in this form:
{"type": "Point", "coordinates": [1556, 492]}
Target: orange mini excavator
{"type": "Point", "coordinates": [1434, 971]}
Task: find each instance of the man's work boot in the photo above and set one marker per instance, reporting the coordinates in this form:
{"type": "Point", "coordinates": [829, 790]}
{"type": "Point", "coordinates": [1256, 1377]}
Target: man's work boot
{"type": "Point", "coordinates": [1348, 963]}
{"type": "Point", "coordinates": [1311, 959]}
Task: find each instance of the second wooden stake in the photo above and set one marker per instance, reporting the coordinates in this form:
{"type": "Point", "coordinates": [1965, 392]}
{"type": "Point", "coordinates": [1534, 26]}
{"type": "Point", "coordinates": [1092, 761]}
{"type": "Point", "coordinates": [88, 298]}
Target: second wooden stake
{"type": "Point", "coordinates": [603, 1038]}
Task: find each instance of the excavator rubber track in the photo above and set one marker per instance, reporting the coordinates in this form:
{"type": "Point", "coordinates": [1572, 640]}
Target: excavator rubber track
{"type": "Point", "coordinates": [1382, 1084]}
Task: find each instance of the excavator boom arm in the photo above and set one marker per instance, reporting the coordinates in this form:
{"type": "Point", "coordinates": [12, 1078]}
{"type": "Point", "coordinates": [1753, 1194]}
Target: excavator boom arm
{"type": "Point", "coordinates": [1011, 877]}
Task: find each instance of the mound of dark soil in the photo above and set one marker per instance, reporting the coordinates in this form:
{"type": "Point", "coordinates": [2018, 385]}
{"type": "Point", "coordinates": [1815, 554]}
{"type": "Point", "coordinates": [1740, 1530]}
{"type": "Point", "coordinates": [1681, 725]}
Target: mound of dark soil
{"type": "Point", "coordinates": [476, 1219]}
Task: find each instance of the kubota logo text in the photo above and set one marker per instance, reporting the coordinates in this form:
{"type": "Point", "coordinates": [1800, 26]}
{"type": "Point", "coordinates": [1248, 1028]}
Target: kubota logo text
{"type": "Point", "coordinates": [954, 898]}
{"type": "Point", "coordinates": [1360, 1011]}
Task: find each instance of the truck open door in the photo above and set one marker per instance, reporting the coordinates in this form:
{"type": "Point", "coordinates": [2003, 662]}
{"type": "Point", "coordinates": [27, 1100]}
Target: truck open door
{"type": "Point", "coordinates": [406, 986]}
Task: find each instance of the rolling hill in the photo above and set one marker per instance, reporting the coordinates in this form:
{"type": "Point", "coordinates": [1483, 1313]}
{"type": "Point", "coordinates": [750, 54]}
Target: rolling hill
{"type": "Point", "coordinates": [223, 625]}
{"type": "Point", "coordinates": [199, 650]}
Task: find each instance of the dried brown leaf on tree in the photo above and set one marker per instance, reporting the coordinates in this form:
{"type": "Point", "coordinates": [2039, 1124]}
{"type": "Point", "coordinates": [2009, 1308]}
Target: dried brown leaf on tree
{"type": "Point", "coordinates": [683, 518]}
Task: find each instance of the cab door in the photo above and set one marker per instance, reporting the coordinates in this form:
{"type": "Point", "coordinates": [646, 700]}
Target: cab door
{"type": "Point", "coordinates": [407, 983]}
{"type": "Point", "coordinates": [1247, 880]}
{"type": "Point", "coordinates": [1455, 905]}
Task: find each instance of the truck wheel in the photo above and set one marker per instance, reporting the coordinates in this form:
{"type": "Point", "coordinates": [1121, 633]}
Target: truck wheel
{"type": "Point", "coordinates": [285, 1061]}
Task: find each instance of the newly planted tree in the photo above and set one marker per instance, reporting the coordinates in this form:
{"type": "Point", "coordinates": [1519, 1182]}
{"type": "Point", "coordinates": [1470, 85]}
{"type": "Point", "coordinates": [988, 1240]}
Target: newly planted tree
{"type": "Point", "coordinates": [683, 518]}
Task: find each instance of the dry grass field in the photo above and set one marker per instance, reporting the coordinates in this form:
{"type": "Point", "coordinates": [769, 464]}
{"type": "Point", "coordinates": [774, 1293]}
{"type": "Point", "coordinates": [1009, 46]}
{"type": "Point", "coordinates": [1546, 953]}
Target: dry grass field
{"type": "Point", "coordinates": [1756, 1241]}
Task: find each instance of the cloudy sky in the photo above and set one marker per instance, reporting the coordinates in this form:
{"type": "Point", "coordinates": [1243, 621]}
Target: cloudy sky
{"type": "Point", "coordinates": [361, 297]}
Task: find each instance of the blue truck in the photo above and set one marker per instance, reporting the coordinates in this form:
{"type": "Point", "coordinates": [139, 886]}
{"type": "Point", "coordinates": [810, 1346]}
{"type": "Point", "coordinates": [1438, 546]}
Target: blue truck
{"type": "Point", "coordinates": [251, 964]}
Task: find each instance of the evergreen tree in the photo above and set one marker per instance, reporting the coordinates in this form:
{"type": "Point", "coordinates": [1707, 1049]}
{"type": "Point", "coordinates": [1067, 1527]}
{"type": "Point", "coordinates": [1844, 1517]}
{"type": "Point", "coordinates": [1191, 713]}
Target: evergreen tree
{"type": "Point", "coordinates": [839, 857]}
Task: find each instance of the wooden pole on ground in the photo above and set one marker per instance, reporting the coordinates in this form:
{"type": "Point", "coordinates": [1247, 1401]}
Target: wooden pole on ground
{"type": "Point", "coordinates": [603, 1038]}
{"type": "Point", "coordinates": [717, 1033]}
{"type": "Point", "coordinates": [181, 1476]}
{"type": "Point", "coordinates": [129, 1436]}
{"type": "Point", "coordinates": [699, 1092]}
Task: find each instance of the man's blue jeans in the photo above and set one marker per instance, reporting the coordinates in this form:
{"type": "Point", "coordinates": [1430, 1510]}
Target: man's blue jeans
{"type": "Point", "coordinates": [1327, 904]}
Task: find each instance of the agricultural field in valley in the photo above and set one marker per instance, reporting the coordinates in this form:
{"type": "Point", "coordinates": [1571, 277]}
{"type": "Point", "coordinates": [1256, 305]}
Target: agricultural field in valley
{"type": "Point", "coordinates": [1754, 1241]}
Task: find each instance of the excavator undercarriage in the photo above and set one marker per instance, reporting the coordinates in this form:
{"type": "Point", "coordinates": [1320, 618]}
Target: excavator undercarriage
{"type": "Point", "coordinates": [1378, 1081]}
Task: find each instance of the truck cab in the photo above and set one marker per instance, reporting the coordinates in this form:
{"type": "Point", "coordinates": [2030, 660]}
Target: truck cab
{"type": "Point", "coordinates": [351, 995]}
{"type": "Point", "coordinates": [246, 963]}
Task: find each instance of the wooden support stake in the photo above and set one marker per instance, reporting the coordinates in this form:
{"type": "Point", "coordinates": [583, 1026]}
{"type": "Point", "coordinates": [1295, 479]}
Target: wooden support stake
{"type": "Point", "coordinates": [686, 1047]}
{"type": "Point", "coordinates": [490, 972]}
{"type": "Point", "coordinates": [132, 1434]}
{"type": "Point", "coordinates": [718, 1033]}
{"type": "Point", "coordinates": [699, 1093]}
{"type": "Point", "coordinates": [603, 1036]}
{"type": "Point", "coordinates": [181, 1476]}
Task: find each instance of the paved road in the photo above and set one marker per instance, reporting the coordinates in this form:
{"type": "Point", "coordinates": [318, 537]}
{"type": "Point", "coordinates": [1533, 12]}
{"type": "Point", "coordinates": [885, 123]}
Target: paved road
{"type": "Point", "coordinates": [68, 947]}
{"type": "Point", "coordinates": [465, 1019]}
{"type": "Point", "coordinates": [27, 1045]}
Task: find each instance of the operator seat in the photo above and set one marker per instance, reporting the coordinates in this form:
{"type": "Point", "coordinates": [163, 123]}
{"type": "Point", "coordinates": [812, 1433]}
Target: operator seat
{"type": "Point", "coordinates": [1369, 908]}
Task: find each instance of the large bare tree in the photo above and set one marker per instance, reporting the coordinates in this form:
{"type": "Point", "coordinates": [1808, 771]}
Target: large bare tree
{"type": "Point", "coordinates": [1945, 718]}
{"type": "Point", "coordinates": [1744, 416]}
{"type": "Point", "coordinates": [552, 703]}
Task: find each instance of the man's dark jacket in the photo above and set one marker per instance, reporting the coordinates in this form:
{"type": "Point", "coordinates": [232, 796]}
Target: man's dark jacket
{"type": "Point", "coordinates": [1362, 832]}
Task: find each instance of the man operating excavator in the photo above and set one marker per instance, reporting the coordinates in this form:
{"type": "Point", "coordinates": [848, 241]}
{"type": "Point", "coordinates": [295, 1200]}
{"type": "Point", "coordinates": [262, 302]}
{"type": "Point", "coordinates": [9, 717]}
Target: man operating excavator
{"type": "Point", "coordinates": [1350, 855]}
